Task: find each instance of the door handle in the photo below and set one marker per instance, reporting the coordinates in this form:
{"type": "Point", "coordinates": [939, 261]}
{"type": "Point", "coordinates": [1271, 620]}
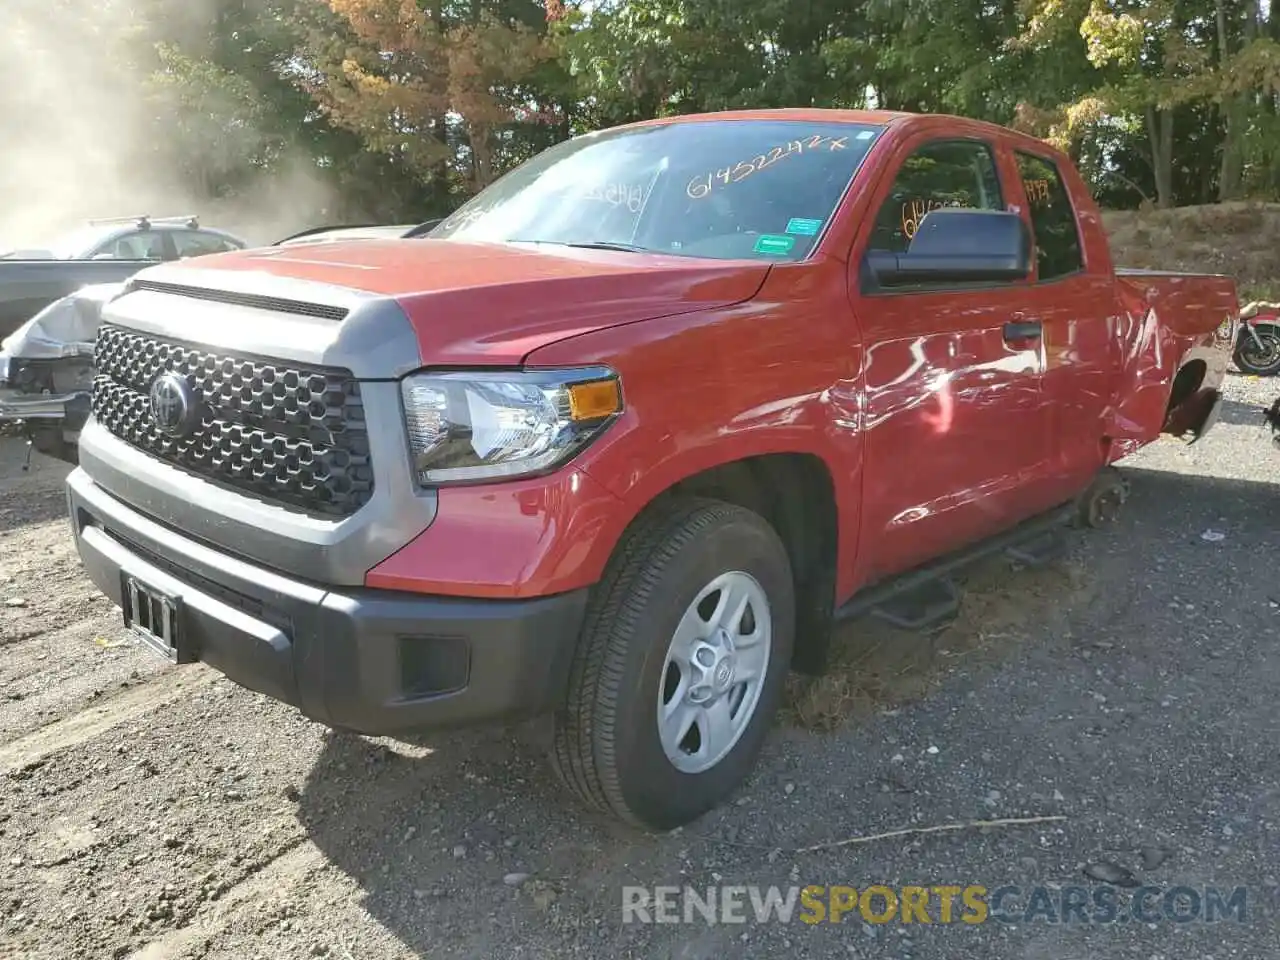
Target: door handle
{"type": "Point", "coordinates": [1022, 330]}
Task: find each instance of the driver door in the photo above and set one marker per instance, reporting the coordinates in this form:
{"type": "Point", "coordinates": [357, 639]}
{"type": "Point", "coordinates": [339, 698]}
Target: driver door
{"type": "Point", "coordinates": [954, 414]}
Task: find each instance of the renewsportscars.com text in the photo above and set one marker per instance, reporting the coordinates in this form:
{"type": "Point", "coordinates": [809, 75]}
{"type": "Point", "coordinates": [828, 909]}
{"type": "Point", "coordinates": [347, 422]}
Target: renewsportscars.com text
{"type": "Point", "coordinates": [940, 904]}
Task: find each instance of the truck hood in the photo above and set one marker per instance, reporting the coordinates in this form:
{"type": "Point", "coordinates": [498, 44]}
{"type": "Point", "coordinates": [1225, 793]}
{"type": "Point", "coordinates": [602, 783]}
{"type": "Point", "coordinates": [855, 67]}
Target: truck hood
{"type": "Point", "coordinates": [489, 303]}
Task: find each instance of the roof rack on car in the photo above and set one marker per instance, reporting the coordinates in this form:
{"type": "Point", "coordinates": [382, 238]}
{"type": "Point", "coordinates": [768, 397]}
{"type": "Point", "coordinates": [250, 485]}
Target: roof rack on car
{"type": "Point", "coordinates": [144, 221]}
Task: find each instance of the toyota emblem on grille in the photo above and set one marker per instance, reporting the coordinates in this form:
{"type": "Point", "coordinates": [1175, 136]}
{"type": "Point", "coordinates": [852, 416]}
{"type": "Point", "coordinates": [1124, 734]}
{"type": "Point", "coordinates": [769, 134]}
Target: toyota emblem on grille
{"type": "Point", "coordinates": [173, 407]}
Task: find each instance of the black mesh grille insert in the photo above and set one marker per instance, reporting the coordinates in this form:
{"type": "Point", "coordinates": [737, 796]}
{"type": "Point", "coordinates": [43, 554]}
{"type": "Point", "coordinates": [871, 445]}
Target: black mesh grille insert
{"type": "Point", "coordinates": [288, 434]}
{"type": "Point", "coordinates": [277, 304]}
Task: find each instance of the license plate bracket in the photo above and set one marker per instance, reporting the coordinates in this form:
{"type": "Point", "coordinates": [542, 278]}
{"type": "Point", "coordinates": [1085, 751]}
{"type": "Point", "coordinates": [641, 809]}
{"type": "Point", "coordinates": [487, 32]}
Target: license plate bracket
{"type": "Point", "coordinates": [155, 618]}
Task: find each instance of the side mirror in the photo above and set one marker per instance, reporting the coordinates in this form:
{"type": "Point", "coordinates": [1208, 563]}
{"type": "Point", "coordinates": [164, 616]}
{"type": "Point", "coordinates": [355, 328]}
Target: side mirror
{"type": "Point", "coordinates": [955, 245]}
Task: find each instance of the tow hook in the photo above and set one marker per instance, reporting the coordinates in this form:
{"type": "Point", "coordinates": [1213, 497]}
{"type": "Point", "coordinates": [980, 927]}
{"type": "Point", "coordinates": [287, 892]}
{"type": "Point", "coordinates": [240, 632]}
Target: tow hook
{"type": "Point", "coordinates": [1100, 504]}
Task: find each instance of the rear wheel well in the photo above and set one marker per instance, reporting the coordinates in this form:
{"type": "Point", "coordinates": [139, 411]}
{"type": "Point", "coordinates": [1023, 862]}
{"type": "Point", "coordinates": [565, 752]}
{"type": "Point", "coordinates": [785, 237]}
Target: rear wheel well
{"type": "Point", "coordinates": [1178, 416]}
{"type": "Point", "coordinates": [1186, 383]}
{"type": "Point", "coordinates": [795, 494]}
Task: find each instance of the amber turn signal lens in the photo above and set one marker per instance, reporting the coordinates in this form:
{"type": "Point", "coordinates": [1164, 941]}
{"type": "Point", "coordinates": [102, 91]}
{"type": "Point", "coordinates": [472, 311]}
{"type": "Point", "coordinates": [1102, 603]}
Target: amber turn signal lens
{"type": "Point", "coordinates": [592, 401]}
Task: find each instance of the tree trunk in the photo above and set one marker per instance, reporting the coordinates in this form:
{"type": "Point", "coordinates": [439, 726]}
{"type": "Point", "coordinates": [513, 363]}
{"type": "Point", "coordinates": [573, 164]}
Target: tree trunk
{"type": "Point", "coordinates": [1231, 173]}
{"type": "Point", "coordinates": [1160, 133]}
{"type": "Point", "coordinates": [1231, 170]}
{"type": "Point", "coordinates": [1235, 109]}
{"type": "Point", "coordinates": [481, 157]}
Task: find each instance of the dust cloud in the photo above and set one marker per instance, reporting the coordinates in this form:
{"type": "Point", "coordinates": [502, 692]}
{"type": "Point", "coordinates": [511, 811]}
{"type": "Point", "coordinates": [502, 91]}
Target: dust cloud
{"type": "Point", "coordinates": [86, 132]}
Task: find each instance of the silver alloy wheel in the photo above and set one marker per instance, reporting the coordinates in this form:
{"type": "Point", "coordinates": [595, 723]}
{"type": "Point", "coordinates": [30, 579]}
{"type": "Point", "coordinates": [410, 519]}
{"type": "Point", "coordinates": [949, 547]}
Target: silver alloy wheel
{"type": "Point", "coordinates": [714, 672]}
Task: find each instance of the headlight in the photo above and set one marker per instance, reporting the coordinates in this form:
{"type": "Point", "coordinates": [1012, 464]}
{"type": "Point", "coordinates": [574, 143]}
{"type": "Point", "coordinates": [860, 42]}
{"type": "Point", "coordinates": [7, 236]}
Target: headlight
{"type": "Point", "coordinates": [486, 426]}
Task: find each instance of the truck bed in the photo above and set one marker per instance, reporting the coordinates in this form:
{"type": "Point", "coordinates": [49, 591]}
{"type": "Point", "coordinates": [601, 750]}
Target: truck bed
{"type": "Point", "coordinates": [1180, 328]}
{"type": "Point", "coordinates": [1187, 304]}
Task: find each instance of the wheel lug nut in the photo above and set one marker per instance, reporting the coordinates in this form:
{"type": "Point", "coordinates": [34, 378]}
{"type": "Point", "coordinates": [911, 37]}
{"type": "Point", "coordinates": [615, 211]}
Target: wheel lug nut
{"type": "Point", "coordinates": [705, 657]}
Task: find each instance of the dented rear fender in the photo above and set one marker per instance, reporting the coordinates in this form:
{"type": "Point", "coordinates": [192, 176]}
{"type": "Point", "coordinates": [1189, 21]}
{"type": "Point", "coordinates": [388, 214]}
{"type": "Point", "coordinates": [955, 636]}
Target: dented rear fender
{"type": "Point", "coordinates": [1176, 333]}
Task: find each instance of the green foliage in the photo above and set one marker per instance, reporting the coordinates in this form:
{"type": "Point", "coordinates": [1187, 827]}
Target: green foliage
{"type": "Point", "coordinates": [409, 106]}
{"type": "Point", "coordinates": [1111, 37]}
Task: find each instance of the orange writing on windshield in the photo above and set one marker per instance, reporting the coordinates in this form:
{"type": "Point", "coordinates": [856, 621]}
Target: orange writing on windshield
{"type": "Point", "coordinates": [701, 186]}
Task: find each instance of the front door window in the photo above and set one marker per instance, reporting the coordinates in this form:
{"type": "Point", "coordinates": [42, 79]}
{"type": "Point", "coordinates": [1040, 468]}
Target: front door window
{"type": "Point", "coordinates": [945, 173]}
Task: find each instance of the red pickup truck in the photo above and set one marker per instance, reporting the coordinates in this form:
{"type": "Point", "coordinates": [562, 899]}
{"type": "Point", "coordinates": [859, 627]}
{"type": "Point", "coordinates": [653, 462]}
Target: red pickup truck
{"type": "Point", "coordinates": [620, 439]}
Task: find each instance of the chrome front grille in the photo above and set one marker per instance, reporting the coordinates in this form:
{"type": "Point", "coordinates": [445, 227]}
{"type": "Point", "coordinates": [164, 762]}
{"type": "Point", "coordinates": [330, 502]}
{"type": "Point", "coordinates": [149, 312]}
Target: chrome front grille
{"type": "Point", "coordinates": [285, 433]}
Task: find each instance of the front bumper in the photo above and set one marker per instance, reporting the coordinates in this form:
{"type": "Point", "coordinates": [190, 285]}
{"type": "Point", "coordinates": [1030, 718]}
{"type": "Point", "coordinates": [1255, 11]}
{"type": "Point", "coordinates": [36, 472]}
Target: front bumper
{"type": "Point", "coordinates": [370, 661]}
{"type": "Point", "coordinates": [29, 406]}
{"type": "Point", "coordinates": [18, 404]}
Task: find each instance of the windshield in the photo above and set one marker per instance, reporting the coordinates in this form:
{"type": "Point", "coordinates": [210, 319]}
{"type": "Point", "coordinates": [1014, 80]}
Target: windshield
{"type": "Point", "coordinates": [722, 189]}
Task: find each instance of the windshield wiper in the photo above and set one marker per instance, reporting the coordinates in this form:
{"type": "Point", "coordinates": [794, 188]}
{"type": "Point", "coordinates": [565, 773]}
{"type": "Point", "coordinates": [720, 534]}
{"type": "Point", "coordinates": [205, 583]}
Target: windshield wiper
{"type": "Point", "coordinates": [608, 245]}
{"type": "Point", "coordinates": [590, 245]}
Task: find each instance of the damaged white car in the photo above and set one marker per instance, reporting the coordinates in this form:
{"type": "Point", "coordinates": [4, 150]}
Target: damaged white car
{"type": "Point", "coordinates": [46, 371]}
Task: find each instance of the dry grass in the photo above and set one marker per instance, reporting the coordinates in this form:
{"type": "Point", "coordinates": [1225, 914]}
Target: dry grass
{"type": "Point", "coordinates": [1241, 240]}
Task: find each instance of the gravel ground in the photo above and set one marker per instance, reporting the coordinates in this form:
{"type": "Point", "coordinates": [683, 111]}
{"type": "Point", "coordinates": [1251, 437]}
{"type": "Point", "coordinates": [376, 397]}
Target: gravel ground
{"type": "Point", "coordinates": [1127, 689]}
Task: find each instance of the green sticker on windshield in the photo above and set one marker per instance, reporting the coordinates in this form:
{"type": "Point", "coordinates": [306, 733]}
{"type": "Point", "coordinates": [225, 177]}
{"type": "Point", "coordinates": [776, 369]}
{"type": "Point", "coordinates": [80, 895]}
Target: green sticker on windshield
{"type": "Point", "coordinates": [775, 244]}
{"type": "Point", "coordinates": [803, 226]}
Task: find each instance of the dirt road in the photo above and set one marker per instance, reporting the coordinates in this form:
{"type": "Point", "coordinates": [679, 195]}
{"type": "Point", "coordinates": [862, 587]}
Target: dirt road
{"type": "Point", "coordinates": [163, 813]}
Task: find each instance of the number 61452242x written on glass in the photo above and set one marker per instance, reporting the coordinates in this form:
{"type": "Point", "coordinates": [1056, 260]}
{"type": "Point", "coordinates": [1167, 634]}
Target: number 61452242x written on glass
{"type": "Point", "coordinates": [702, 185]}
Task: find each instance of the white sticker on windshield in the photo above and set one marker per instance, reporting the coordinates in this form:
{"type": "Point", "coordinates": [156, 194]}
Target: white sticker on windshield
{"type": "Point", "coordinates": [865, 135]}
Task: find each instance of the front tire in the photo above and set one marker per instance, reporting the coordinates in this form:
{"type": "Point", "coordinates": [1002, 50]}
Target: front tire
{"type": "Point", "coordinates": [680, 665]}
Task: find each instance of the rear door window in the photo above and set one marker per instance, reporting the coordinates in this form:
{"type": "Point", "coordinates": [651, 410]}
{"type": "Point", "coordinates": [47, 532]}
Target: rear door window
{"type": "Point", "coordinates": [198, 244]}
{"type": "Point", "coordinates": [945, 173]}
{"type": "Point", "coordinates": [1053, 219]}
{"type": "Point", "coordinates": [139, 245]}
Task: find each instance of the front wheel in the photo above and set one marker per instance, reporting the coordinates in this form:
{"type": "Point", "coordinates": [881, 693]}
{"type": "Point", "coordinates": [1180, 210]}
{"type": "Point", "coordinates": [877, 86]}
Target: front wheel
{"type": "Point", "coordinates": [680, 665]}
{"type": "Point", "coordinates": [1260, 357]}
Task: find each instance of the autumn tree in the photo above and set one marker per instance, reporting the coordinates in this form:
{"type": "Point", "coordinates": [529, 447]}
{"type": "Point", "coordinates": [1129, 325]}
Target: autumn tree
{"type": "Point", "coordinates": [436, 85]}
{"type": "Point", "coordinates": [407, 107]}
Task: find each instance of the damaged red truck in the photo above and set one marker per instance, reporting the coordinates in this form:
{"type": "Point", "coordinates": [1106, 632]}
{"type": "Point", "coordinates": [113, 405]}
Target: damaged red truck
{"type": "Point", "coordinates": [619, 441]}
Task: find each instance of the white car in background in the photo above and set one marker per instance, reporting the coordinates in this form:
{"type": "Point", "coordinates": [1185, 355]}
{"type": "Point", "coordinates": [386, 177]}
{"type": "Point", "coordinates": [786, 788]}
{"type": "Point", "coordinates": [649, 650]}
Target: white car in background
{"type": "Point", "coordinates": [135, 238]}
{"type": "Point", "coordinates": [103, 251]}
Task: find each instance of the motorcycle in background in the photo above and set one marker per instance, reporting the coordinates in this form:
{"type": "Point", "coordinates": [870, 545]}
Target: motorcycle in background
{"type": "Point", "coordinates": [1257, 348]}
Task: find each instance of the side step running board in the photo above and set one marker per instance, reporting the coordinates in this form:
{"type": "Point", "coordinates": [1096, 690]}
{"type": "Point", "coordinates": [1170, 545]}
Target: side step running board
{"type": "Point", "coordinates": [926, 596]}
{"type": "Point", "coordinates": [928, 605]}
{"type": "Point", "coordinates": [1038, 552]}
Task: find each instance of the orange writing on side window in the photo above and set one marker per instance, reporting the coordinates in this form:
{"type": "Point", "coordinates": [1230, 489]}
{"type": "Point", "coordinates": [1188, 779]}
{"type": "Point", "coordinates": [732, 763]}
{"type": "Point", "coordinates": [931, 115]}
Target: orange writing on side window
{"type": "Point", "coordinates": [913, 211]}
{"type": "Point", "coordinates": [1037, 191]}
